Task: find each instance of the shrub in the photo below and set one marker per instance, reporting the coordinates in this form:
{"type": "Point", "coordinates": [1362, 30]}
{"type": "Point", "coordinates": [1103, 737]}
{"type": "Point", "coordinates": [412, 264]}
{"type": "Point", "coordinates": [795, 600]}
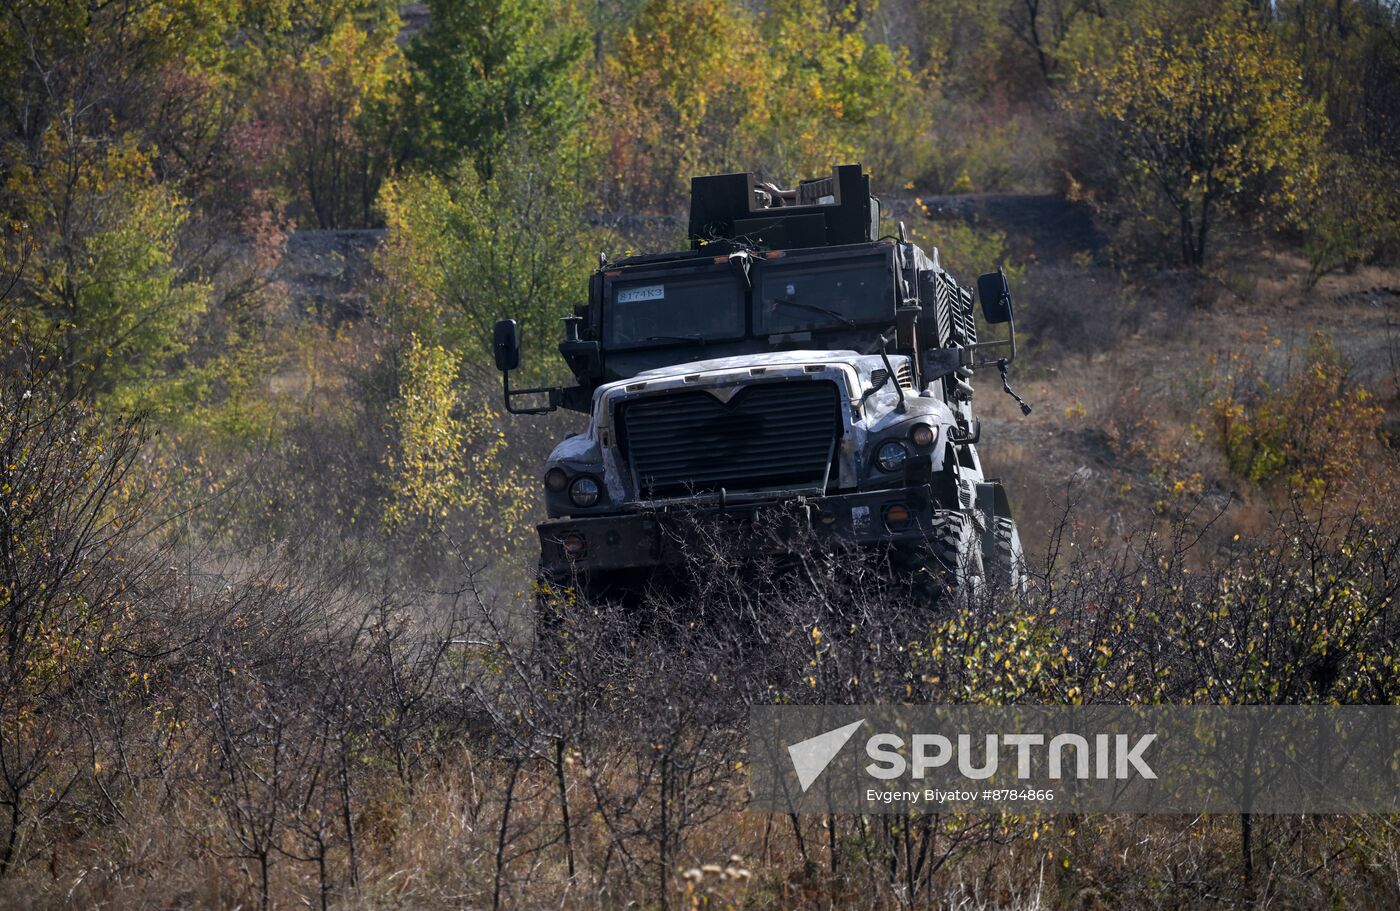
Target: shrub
{"type": "Point", "coordinates": [70, 578]}
{"type": "Point", "coordinates": [487, 72]}
{"type": "Point", "coordinates": [1356, 216]}
{"type": "Point", "coordinates": [446, 461]}
{"type": "Point", "coordinates": [966, 250]}
{"type": "Point", "coordinates": [1316, 432]}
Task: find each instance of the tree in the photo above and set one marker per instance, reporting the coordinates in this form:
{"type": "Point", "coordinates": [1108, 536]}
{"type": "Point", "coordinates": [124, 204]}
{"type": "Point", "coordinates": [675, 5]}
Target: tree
{"type": "Point", "coordinates": [465, 250]}
{"type": "Point", "coordinates": [686, 92]}
{"type": "Point", "coordinates": [116, 123]}
{"type": "Point", "coordinates": [328, 114]}
{"type": "Point", "coordinates": [697, 88]}
{"type": "Point", "coordinates": [461, 253]}
{"type": "Point", "coordinates": [1350, 56]}
{"type": "Point", "coordinates": [837, 96]}
{"type": "Point", "coordinates": [488, 69]}
{"type": "Point", "coordinates": [447, 459]}
{"type": "Point", "coordinates": [1042, 26]}
{"type": "Point", "coordinates": [1189, 125]}
{"type": "Point", "coordinates": [102, 283]}
{"type": "Point", "coordinates": [69, 522]}
{"type": "Point", "coordinates": [103, 63]}
{"type": "Point", "coordinates": [151, 72]}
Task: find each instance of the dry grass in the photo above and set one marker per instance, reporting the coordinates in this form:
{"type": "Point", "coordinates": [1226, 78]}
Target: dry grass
{"type": "Point", "coordinates": [1118, 376]}
{"type": "Point", "coordinates": [437, 848]}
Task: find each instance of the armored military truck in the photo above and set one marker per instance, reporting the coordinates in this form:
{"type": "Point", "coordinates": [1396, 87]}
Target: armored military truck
{"type": "Point", "coordinates": [793, 358]}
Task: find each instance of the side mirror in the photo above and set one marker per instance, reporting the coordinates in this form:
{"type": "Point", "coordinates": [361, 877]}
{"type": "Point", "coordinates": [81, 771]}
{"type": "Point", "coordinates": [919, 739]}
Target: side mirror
{"type": "Point", "coordinates": [995, 294]}
{"type": "Point", "coordinates": [505, 342]}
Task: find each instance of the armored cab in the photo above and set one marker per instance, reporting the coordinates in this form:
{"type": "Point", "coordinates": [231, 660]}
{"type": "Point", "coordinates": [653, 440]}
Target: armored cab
{"type": "Point", "coordinates": [793, 356]}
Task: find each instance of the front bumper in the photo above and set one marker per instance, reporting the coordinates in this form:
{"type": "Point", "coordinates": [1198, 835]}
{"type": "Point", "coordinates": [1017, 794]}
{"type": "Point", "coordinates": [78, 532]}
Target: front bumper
{"type": "Point", "coordinates": [662, 537]}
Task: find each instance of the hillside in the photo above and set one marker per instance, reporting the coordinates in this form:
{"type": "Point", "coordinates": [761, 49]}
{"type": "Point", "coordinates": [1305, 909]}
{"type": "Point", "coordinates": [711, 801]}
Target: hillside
{"type": "Point", "coordinates": [278, 628]}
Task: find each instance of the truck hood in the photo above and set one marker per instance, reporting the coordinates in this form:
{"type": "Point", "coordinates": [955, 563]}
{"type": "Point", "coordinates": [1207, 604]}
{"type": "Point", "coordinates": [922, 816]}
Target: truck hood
{"type": "Point", "coordinates": [863, 363]}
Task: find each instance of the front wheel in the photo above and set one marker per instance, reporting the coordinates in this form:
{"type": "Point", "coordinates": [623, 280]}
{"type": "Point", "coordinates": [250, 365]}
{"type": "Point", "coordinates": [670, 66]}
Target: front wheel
{"type": "Point", "coordinates": [948, 560]}
{"type": "Point", "coordinates": [566, 604]}
{"type": "Point", "coordinates": [552, 599]}
{"type": "Point", "coordinates": [1003, 557]}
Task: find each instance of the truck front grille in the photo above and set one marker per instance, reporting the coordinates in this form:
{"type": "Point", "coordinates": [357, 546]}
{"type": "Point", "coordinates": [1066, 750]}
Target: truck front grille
{"type": "Point", "coordinates": [767, 435]}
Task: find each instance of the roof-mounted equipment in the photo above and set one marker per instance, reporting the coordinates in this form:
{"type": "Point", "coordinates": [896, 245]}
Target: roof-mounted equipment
{"type": "Point", "coordinates": [827, 211]}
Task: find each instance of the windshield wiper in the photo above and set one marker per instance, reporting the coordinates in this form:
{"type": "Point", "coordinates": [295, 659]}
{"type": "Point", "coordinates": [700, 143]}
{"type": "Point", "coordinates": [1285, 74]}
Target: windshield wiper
{"type": "Point", "coordinates": [675, 338]}
{"type": "Point", "coordinates": [813, 308]}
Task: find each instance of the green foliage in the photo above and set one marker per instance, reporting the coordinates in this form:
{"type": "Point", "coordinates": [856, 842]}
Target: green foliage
{"type": "Point", "coordinates": [100, 279]}
{"type": "Point", "coordinates": [835, 95]}
{"type": "Point", "coordinates": [1317, 432]}
{"type": "Point", "coordinates": [69, 517]}
{"type": "Point", "coordinates": [489, 70]}
{"type": "Point", "coordinates": [684, 92]}
{"type": "Point", "coordinates": [1356, 215]}
{"type": "Point", "coordinates": [974, 151]}
{"type": "Point", "coordinates": [106, 56]}
{"type": "Point", "coordinates": [1349, 54]}
{"type": "Point", "coordinates": [148, 153]}
{"type": "Point", "coordinates": [1198, 121]}
{"type": "Point", "coordinates": [464, 251]}
{"type": "Point", "coordinates": [966, 250]}
{"type": "Point", "coordinates": [328, 113]}
{"type": "Point", "coordinates": [1298, 617]}
{"type": "Point", "coordinates": [447, 462]}
{"type": "Point", "coordinates": [706, 87]}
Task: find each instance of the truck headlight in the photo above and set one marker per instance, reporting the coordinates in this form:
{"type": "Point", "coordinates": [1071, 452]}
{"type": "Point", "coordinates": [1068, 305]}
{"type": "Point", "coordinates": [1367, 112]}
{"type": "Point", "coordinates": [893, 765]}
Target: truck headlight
{"type": "Point", "coordinates": [891, 456]}
{"type": "Point", "coordinates": [584, 492]}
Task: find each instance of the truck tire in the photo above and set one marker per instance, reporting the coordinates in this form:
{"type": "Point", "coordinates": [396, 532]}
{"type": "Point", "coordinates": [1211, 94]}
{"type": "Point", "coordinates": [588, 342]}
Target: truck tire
{"type": "Point", "coordinates": [549, 618]}
{"type": "Point", "coordinates": [949, 559]}
{"type": "Point", "coordinates": [561, 602]}
{"type": "Point", "coordinates": [1002, 556]}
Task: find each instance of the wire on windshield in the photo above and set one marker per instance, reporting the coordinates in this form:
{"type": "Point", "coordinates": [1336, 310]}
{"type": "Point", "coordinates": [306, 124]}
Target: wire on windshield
{"type": "Point", "coordinates": [814, 308]}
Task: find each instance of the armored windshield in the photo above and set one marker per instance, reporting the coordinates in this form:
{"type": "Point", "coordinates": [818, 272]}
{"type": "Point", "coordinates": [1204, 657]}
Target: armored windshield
{"type": "Point", "coordinates": [668, 309]}
{"type": "Point", "coordinates": [814, 294]}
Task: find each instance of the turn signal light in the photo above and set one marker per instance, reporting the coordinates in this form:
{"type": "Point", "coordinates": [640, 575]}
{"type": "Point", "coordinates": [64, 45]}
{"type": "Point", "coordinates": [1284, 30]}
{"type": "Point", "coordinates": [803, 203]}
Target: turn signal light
{"type": "Point", "coordinates": [574, 544]}
{"type": "Point", "coordinates": [896, 514]}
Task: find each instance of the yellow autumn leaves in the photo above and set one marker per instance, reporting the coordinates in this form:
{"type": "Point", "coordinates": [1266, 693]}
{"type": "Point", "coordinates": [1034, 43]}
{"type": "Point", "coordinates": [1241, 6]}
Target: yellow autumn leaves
{"type": "Point", "coordinates": [449, 459]}
{"type": "Point", "coordinates": [1202, 121]}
